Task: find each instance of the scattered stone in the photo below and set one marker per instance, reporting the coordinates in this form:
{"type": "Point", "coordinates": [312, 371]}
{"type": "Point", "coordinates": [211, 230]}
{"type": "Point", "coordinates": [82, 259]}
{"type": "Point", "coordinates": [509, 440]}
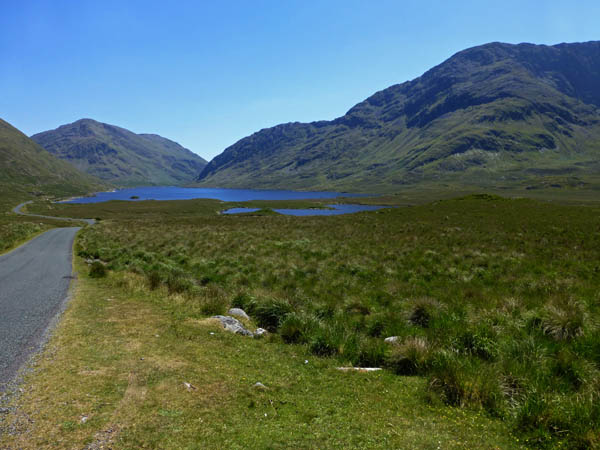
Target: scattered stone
{"type": "Point", "coordinates": [103, 439]}
{"type": "Point", "coordinates": [261, 387]}
{"type": "Point", "coordinates": [233, 325]}
{"type": "Point", "coordinates": [359, 369]}
{"type": "Point", "coordinates": [239, 313]}
{"type": "Point", "coordinates": [90, 261]}
{"type": "Point", "coordinates": [391, 339]}
{"type": "Point", "coordinates": [189, 386]}
{"type": "Point", "coordinates": [4, 410]}
{"type": "Point", "coordinates": [260, 332]}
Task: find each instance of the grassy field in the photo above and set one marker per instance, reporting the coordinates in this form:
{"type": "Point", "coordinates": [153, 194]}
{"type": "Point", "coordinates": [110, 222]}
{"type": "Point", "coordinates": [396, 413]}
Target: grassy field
{"type": "Point", "coordinates": [494, 303]}
{"type": "Point", "coordinates": [16, 230]}
{"type": "Point", "coordinates": [113, 377]}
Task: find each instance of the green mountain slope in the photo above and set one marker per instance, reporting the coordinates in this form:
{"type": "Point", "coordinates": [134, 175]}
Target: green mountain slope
{"type": "Point", "coordinates": [120, 156]}
{"type": "Point", "coordinates": [495, 115]}
{"type": "Point", "coordinates": [27, 169]}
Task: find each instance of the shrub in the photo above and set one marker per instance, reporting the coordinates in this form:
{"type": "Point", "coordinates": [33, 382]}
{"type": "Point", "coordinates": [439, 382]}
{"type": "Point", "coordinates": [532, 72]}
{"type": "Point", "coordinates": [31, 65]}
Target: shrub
{"type": "Point", "coordinates": [357, 307]}
{"type": "Point", "coordinates": [155, 279]}
{"type": "Point", "coordinates": [461, 381]}
{"type": "Point", "coordinates": [97, 270]}
{"type": "Point", "coordinates": [321, 345]}
{"type": "Point", "coordinates": [177, 282]}
{"type": "Point", "coordinates": [472, 343]}
{"type": "Point", "coordinates": [212, 306]}
{"type": "Point", "coordinates": [423, 310]}
{"type": "Point", "coordinates": [371, 353]}
{"type": "Point", "coordinates": [375, 325]}
{"type": "Point", "coordinates": [270, 313]}
{"type": "Point", "coordinates": [296, 328]}
{"type": "Point", "coordinates": [411, 357]}
{"type": "Point", "coordinates": [564, 321]}
{"type": "Point", "coordinates": [244, 301]}
{"type": "Point", "coordinates": [573, 370]}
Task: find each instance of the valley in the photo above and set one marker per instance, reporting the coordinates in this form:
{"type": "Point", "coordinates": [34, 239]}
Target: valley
{"type": "Point", "coordinates": [466, 272]}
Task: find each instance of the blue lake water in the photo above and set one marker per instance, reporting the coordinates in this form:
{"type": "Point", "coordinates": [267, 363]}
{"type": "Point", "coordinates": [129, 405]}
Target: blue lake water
{"type": "Point", "coordinates": [227, 195]}
{"type": "Point", "coordinates": [232, 195]}
{"type": "Point", "coordinates": [338, 209]}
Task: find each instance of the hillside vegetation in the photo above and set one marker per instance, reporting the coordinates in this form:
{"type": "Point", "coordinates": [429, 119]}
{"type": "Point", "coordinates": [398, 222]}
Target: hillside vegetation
{"type": "Point", "coordinates": [120, 156]}
{"type": "Point", "coordinates": [28, 171]}
{"type": "Point", "coordinates": [493, 301]}
{"type": "Point", "coordinates": [498, 115]}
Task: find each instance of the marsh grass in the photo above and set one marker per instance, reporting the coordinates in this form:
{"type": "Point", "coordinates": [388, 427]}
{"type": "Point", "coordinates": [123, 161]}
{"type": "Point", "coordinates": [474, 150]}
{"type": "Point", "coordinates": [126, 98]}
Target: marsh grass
{"type": "Point", "coordinates": [123, 353]}
{"type": "Point", "coordinates": [494, 300]}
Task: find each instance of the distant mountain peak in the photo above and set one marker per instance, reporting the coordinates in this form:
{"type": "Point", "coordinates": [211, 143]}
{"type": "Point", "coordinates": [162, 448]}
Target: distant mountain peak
{"type": "Point", "coordinates": [25, 167]}
{"type": "Point", "coordinates": [495, 113]}
{"type": "Point", "coordinates": [120, 156]}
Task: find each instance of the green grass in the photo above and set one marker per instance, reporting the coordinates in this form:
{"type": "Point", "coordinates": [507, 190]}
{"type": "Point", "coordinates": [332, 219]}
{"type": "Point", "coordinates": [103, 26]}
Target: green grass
{"type": "Point", "coordinates": [494, 301]}
{"type": "Point", "coordinates": [123, 352]}
{"type": "Point", "coordinates": [16, 229]}
{"type": "Point", "coordinates": [28, 172]}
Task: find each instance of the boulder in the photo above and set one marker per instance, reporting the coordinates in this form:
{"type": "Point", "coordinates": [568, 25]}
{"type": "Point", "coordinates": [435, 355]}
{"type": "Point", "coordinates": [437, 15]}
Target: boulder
{"type": "Point", "coordinates": [233, 325]}
{"type": "Point", "coordinates": [260, 332]}
{"type": "Point", "coordinates": [239, 313]}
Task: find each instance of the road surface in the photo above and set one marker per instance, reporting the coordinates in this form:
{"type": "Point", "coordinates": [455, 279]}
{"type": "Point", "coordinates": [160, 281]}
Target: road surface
{"type": "Point", "coordinates": [34, 284]}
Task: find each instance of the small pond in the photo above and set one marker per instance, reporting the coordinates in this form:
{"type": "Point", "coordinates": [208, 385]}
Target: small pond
{"type": "Point", "coordinates": [337, 210]}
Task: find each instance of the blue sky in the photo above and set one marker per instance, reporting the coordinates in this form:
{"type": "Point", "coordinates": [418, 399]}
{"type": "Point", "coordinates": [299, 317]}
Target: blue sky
{"type": "Point", "coordinates": [206, 74]}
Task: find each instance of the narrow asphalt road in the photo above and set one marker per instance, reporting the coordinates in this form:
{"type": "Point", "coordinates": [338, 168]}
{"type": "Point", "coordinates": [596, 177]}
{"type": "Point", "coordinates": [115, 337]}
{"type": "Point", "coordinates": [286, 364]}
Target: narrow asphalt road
{"type": "Point", "coordinates": [34, 284]}
{"type": "Point", "coordinates": [17, 210]}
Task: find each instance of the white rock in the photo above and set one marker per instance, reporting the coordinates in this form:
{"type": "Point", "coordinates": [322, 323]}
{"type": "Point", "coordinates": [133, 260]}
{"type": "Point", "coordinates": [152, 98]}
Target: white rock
{"type": "Point", "coordinates": [189, 386]}
{"type": "Point", "coordinates": [260, 332]}
{"type": "Point", "coordinates": [359, 369]}
{"type": "Point", "coordinates": [391, 339]}
{"type": "Point", "coordinates": [233, 325]}
{"type": "Point", "coordinates": [260, 386]}
{"type": "Point", "coordinates": [239, 313]}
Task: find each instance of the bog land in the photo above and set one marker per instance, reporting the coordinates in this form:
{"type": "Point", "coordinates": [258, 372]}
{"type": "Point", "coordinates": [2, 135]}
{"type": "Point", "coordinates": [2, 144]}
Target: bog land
{"type": "Point", "coordinates": [493, 302]}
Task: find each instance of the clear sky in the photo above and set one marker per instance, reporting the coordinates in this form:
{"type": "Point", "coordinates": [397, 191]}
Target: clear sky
{"type": "Point", "coordinates": [206, 74]}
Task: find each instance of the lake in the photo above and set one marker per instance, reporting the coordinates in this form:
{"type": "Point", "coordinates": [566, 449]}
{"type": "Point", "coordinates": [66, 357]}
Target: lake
{"type": "Point", "coordinates": [232, 195]}
{"type": "Point", "coordinates": [226, 195]}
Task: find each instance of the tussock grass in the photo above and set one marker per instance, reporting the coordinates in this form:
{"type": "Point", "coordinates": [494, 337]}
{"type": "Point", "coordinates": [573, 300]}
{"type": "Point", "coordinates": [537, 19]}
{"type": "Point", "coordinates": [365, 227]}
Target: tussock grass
{"type": "Point", "coordinates": [123, 353]}
{"type": "Point", "coordinates": [495, 301]}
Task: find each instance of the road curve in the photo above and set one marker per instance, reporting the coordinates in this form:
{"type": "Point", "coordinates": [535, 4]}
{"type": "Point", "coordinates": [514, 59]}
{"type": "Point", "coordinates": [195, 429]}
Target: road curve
{"type": "Point", "coordinates": [17, 210]}
{"type": "Point", "coordinates": [34, 284]}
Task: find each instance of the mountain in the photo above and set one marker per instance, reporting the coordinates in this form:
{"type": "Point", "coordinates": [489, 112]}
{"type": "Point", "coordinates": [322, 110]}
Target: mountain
{"type": "Point", "coordinates": [26, 169]}
{"type": "Point", "coordinates": [120, 156]}
{"type": "Point", "coordinates": [493, 115]}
